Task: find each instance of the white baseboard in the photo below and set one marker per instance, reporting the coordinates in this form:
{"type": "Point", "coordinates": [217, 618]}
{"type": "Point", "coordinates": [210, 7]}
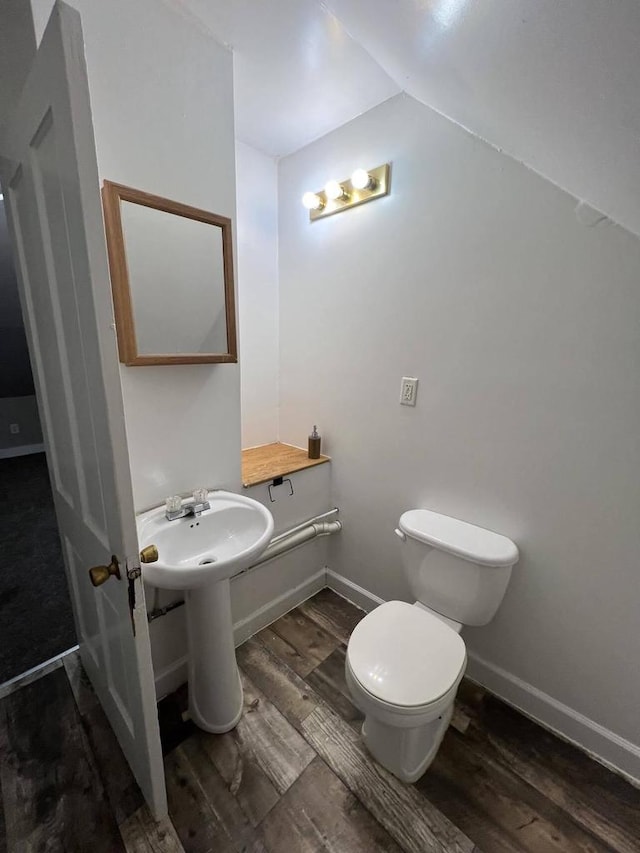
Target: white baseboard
{"type": "Point", "coordinates": [602, 744]}
{"type": "Point", "coordinates": [259, 619]}
{"type": "Point", "coordinates": [171, 677]}
{"type": "Point", "coordinates": [357, 595]}
{"type": "Point", "coordinates": [21, 450]}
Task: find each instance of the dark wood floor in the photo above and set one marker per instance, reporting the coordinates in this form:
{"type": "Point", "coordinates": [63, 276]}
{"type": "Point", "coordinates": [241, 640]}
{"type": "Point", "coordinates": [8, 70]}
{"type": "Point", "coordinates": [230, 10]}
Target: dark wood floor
{"type": "Point", "coordinates": [294, 776]}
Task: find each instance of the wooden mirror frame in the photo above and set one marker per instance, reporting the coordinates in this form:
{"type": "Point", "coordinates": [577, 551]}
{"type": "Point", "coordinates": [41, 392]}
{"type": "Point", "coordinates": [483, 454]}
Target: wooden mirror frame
{"type": "Point", "coordinates": [112, 195]}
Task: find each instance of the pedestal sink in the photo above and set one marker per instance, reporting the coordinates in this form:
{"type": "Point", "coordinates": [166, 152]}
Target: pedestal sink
{"type": "Point", "coordinates": [199, 554]}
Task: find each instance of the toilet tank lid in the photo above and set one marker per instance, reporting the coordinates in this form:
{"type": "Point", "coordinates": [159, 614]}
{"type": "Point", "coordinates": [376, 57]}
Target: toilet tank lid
{"type": "Point", "coordinates": [459, 538]}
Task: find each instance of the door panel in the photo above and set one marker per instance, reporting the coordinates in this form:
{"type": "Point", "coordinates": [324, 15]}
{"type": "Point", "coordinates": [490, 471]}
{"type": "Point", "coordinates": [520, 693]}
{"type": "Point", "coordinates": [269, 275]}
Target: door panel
{"type": "Point", "coordinates": [51, 183]}
{"type": "Point", "coordinates": [82, 463]}
{"type": "Point", "coordinates": [86, 613]}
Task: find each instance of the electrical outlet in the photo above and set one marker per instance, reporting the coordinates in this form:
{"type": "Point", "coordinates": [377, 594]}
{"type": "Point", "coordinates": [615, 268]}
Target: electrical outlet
{"type": "Point", "coordinates": [14, 429]}
{"type": "Point", "coordinates": [408, 391]}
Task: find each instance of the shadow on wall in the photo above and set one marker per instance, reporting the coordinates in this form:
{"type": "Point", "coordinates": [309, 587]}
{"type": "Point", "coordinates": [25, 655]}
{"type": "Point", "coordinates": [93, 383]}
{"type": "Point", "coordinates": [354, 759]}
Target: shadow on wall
{"type": "Point", "coordinates": [16, 378]}
{"type": "Point", "coordinates": [19, 422]}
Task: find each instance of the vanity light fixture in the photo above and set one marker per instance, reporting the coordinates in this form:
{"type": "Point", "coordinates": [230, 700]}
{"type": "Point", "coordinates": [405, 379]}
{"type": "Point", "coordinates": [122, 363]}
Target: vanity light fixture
{"type": "Point", "coordinates": [364, 185]}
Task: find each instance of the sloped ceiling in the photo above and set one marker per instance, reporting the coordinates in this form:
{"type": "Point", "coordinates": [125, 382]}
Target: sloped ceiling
{"type": "Point", "coordinates": [554, 83]}
{"type": "Point", "coordinates": [298, 72]}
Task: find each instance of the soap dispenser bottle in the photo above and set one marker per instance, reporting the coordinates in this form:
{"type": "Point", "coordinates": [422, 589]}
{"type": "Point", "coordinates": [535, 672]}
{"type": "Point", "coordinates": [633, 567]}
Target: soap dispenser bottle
{"type": "Point", "coordinates": [314, 444]}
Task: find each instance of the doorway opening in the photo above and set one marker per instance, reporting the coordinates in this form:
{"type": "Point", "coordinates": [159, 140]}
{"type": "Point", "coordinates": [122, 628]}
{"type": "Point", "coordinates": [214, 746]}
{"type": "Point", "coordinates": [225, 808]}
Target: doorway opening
{"type": "Point", "coordinates": [35, 607]}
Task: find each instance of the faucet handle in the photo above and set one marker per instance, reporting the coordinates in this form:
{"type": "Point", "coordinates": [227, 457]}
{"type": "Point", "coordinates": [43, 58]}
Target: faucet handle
{"type": "Point", "coordinates": [173, 503]}
{"type": "Point", "coordinates": [200, 496]}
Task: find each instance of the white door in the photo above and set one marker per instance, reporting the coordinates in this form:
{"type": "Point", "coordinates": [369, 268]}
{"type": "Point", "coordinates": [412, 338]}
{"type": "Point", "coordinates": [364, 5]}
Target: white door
{"type": "Point", "coordinates": [50, 181]}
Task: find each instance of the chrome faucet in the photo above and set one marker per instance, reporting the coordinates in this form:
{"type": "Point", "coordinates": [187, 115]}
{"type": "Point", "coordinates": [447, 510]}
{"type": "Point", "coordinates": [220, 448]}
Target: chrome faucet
{"type": "Point", "coordinates": [176, 509]}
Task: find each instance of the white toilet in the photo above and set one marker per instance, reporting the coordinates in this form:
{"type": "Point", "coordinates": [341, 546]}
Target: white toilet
{"type": "Point", "coordinates": [405, 661]}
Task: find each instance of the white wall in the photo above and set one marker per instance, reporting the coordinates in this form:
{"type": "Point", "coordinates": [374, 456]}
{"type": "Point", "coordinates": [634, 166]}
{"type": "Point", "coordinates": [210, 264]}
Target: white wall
{"type": "Point", "coordinates": [24, 412]}
{"type": "Point", "coordinates": [257, 184]}
{"type": "Point", "coordinates": [16, 379]}
{"type": "Point", "coordinates": [10, 311]}
{"type": "Point", "coordinates": [163, 119]}
{"type": "Point", "coordinates": [17, 398]}
{"type": "Point", "coordinates": [522, 326]}
{"type": "Point", "coordinates": [17, 47]}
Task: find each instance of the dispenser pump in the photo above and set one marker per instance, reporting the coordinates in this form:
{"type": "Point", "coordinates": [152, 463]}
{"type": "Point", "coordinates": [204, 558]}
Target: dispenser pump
{"type": "Point", "coordinates": [314, 444]}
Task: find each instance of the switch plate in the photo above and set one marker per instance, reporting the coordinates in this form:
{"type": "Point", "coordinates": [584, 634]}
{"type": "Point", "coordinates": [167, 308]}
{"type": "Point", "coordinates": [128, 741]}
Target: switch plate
{"type": "Point", "coordinates": [408, 391]}
{"type": "Point", "coordinates": [14, 429]}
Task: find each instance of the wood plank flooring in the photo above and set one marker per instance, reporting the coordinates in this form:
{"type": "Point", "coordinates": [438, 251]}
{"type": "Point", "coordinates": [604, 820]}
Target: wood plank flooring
{"type": "Point", "coordinates": [49, 775]}
{"type": "Point", "coordinates": [294, 775]}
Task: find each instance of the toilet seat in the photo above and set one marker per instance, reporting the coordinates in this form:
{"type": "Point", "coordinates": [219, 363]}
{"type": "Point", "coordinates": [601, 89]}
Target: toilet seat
{"type": "Point", "coordinates": [405, 658]}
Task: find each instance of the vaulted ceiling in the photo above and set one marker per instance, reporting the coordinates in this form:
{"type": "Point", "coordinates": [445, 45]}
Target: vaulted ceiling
{"type": "Point", "coordinates": [554, 83]}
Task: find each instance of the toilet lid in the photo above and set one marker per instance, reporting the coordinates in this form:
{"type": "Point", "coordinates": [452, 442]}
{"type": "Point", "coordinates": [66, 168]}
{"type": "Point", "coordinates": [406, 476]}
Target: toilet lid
{"type": "Point", "coordinates": [404, 655]}
{"type": "Point", "coordinates": [459, 538]}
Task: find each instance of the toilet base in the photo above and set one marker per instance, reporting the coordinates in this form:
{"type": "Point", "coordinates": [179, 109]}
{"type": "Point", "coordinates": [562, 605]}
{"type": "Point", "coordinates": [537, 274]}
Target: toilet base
{"type": "Point", "coordinates": [405, 752]}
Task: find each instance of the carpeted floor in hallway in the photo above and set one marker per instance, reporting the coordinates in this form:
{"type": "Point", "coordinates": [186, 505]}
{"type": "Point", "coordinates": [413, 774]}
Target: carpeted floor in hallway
{"type": "Point", "coordinates": [36, 622]}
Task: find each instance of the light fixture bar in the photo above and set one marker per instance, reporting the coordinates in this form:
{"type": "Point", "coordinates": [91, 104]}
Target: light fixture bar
{"type": "Point", "coordinates": [379, 186]}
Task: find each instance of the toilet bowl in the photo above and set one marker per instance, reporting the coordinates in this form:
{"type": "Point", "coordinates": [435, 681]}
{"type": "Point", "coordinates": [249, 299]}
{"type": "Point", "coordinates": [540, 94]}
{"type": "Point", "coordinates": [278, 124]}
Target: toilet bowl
{"type": "Point", "coordinates": [403, 667]}
{"type": "Point", "coordinates": [404, 661]}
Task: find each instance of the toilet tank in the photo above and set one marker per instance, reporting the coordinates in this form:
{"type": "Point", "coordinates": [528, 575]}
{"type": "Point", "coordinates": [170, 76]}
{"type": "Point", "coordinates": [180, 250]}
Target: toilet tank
{"type": "Point", "coordinates": [455, 568]}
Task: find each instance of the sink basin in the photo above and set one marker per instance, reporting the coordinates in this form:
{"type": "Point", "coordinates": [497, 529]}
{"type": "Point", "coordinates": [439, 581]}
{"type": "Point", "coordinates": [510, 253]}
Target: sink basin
{"type": "Point", "coordinates": [197, 550]}
{"type": "Point", "coordinates": [199, 554]}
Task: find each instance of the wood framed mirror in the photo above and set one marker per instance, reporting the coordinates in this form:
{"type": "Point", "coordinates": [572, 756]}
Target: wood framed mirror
{"type": "Point", "coordinates": [172, 279]}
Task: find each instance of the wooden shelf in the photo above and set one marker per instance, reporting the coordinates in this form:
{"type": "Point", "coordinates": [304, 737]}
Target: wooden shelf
{"type": "Point", "coordinates": [264, 463]}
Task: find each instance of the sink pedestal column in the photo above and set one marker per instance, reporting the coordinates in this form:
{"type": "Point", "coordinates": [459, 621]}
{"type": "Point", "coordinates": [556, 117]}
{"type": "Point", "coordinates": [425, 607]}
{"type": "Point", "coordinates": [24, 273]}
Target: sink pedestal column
{"type": "Point", "coordinates": [215, 691]}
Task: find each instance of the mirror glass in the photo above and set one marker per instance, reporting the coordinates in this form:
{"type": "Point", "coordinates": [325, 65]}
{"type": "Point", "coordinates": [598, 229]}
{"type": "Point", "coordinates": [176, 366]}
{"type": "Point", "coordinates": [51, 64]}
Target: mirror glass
{"type": "Point", "coordinates": [172, 279]}
{"type": "Point", "coordinates": [176, 279]}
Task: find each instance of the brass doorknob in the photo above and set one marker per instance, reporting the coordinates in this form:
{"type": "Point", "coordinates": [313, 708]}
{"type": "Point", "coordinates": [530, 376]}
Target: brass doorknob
{"type": "Point", "coordinates": [100, 574]}
{"type": "Point", "coordinates": [149, 554]}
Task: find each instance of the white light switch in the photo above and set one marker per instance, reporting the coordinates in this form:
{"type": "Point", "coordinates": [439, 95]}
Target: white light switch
{"type": "Point", "coordinates": [408, 391]}
{"type": "Point", "coordinates": [14, 429]}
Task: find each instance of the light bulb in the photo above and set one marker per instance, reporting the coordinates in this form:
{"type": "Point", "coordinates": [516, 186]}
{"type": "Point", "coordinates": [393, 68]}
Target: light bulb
{"type": "Point", "coordinates": [312, 201]}
{"type": "Point", "coordinates": [362, 180]}
{"type": "Point", "coordinates": [334, 191]}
